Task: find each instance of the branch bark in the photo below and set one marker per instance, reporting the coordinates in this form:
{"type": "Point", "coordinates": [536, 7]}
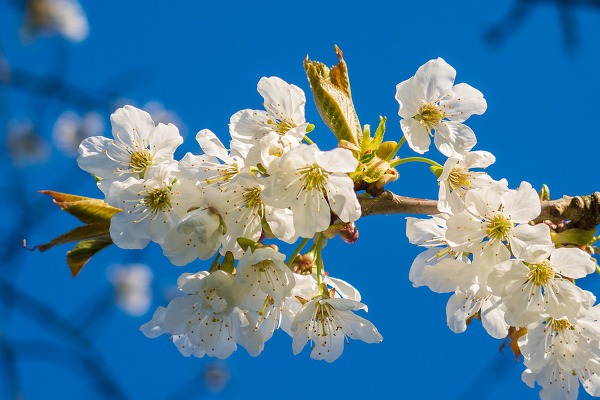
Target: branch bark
{"type": "Point", "coordinates": [581, 212]}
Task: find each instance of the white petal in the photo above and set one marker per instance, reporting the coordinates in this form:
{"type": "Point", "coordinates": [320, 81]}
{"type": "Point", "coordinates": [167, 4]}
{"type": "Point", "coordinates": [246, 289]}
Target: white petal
{"type": "Point", "coordinates": [521, 205]}
{"type": "Point", "coordinates": [130, 123]}
{"type": "Point", "coordinates": [572, 262]}
{"type": "Point", "coordinates": [211, 145]}
{"type": "Point", "coordinates": [92, 157]}
{"type": "Point", "coordinates": [443, 277]}
{"type": "Point", "coordinates": [163, 141]}
{"type": "Point", "coordinates": [531, 243]}
{"type": "Point", "coordinates": [492, 318]}
{"type": "Point", "coordinates": [409, 95]}
{"type": "Point", "coordinates": [342, 198]}
{"type": "Point", "coordinates": [417, 136]}
{"type": "Point", "coordinates": [282, 99]}
{"type": "Point", "coordinates": [436, 77]}
{"type": "Point", "coordinates": [462, 101]}
{"type": "Point", "coordinates": [452, 138]}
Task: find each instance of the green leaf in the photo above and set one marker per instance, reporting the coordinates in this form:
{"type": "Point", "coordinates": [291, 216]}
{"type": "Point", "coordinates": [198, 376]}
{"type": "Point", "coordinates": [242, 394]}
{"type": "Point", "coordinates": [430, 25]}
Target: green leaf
{"type": "Point", "coordinates": [91, 237]}
{"type": "Point", "coordinates": [83, 252]}
{"type": "Point", "coordinates": [86, 209]}
{"type": "Point", "coordinates": [574, 236]}
{"type": "Point", "coordinates": [80, 233]}
{"type": "Point", "coordinates": [333, 98]}
{"type": "Point", "coordinates": [378, 138]}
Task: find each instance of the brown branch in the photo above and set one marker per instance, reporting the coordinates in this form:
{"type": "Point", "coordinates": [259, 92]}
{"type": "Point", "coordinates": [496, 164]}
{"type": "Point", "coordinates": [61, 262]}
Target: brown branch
{"type": "Point", "coordinates": [582, 212]}
{"type": "Point", "coordinates": [391, 203]}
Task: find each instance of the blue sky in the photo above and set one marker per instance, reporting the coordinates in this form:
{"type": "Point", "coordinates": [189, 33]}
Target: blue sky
{"type": "Point", "coordinates": [203, 61]}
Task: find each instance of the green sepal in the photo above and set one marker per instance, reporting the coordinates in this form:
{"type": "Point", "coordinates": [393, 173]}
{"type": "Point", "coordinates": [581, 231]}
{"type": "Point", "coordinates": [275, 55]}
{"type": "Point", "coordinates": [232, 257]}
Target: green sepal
{"type": "Point", "coordinates": [385, 148]}
{"type": "Point", "coordinates": [246, 244]}
{"type": "Point", "coordinates": [437, 171]}
{"type": "Point", "coordinates": [333, 98]}
{"type": "Point", "coordinates": [579, 237]}
{"type": "Point", "coordinates": [378, 137]}
{"type": "Point", "coordinates": [228, 263]}
{"type": "Point", "coordinates": [544, 192]}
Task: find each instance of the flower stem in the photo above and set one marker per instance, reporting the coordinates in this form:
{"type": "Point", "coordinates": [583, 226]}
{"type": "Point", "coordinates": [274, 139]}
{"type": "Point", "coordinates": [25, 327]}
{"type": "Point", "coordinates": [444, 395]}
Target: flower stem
{"type": "Point", "coordinates": [297, 251]}
{"type": "Point", "coordinates": [307, 140]}
{"type": "Point", "coordinates": [319, 257]}
{"type": "Point", "coordinates": [414, 159]}
{"type": "Point", "coordinates": [393, 153]}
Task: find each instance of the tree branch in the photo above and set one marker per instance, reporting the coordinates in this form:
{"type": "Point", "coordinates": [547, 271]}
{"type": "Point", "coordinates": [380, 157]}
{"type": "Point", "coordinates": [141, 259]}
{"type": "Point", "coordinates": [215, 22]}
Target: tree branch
{"type": "Point", "coordinates": [582, 212]}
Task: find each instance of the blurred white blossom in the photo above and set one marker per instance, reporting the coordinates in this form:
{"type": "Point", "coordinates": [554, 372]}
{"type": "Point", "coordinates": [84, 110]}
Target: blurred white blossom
{"type": "Point", "coordinates": [26, 146]}
{"type": "Point", "coordinates": [55, 17]}
{"type": "Point", "coordinates": [70, 129]}
{"type": "Point", "coordinates": [132, 284]}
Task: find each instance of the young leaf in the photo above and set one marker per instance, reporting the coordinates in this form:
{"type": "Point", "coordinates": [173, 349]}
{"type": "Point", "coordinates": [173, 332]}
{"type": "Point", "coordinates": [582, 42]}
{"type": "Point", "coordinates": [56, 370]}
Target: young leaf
{"type": "Point", "coordinates": [91, 237]}
{"type": "Point", "coordinates": [331, 90]}
{"type": "Point", "coordinates": [86, 209]}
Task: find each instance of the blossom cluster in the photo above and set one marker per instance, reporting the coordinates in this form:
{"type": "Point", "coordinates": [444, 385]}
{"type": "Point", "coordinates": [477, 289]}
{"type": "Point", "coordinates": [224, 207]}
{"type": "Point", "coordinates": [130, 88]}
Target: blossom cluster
{"type": "Point", "coordinates": [272, 183]}
{"type": "Point", "coordinates": [483, 248]}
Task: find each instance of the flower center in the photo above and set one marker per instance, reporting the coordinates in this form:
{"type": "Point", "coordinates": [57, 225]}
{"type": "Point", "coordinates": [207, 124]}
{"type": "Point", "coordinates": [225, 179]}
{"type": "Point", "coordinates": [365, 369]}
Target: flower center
{"type": "Point", "coordinates": [498, 227]}
{"type": "Point", "coordinates": [281, 126]}
{"type": "Point", "coordinates": [541, 273]}
{"type": "Point", "coordinates": [158, 200]}
{"type": "Point", "coordinates": [322, 316]}
{"type": "Point", "coordinates": [429, 115]}
{"type": "Point", "coordinates": [459, 178]}
{"type": "Point", "coordinates": [140, 161]}
{"type": "Point", "coordinates": [252, 197]}
{"type": "Point", "coordinates": [314, 177]}
{"type": "Point", "coordinates": [225, 174]}
{"type": "Point", "coordinates": [560, 325]}
{"type": "Point", "coordinates": [263, 265]}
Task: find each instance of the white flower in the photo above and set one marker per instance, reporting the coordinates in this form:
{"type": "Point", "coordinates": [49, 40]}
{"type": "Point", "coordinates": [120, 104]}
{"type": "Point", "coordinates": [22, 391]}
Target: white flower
{"type": "Point", "coordinates": [327, 323]}
{"type": "Point", "coordinates": [64, 17]}
{"type": "Point", "coordinates": [243, 211]}
{"type": "Point", "coordinates": [471, 295]}
{"type": "Point", "coordinates": [531, 290]}
{"type": "Point", "coordinates": [71, 129]}
{"type": "Point", "coordinates": [494, 217]}
{"type": "Point", "coordinates": [305, 288]}
{"type": "Point", "coordinates": [157, 326]}
{"type": "Point", "coordinates": [218, 166]}
{"type": "Point", "coordinates": [431, 234]}
{"type": "Point", "coordinates": [132, 283]}
{"type": "Point", "coordinates": [558, 354]}
{"type": "Point", "coordinates": [197, 235]}
{"type": "Point", "coordinates": [429, 101]}
{"type": "Point", "coordinates": [137, 146]}
{"type": "Point", "coordinates": [456, 179]}
{"type": "Point", "coordinates": [25, 145]}
{"type": "Point", "coordinates": [284, 115]}
{"type": "Point", "coordinates": [262, 273]}
{"type": "Point", "coordinates": [556, 383]}
{"type": "Point", "coordinates": [151, 206]}
{"type": "Point", "coordinates": [270, 148]}
{"type": "Point", "coordinates": [312, 183]}
{"type": "Point", "coordinates": [463, 305]}
{"type": "Point", "coordinates": [207, 318]}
